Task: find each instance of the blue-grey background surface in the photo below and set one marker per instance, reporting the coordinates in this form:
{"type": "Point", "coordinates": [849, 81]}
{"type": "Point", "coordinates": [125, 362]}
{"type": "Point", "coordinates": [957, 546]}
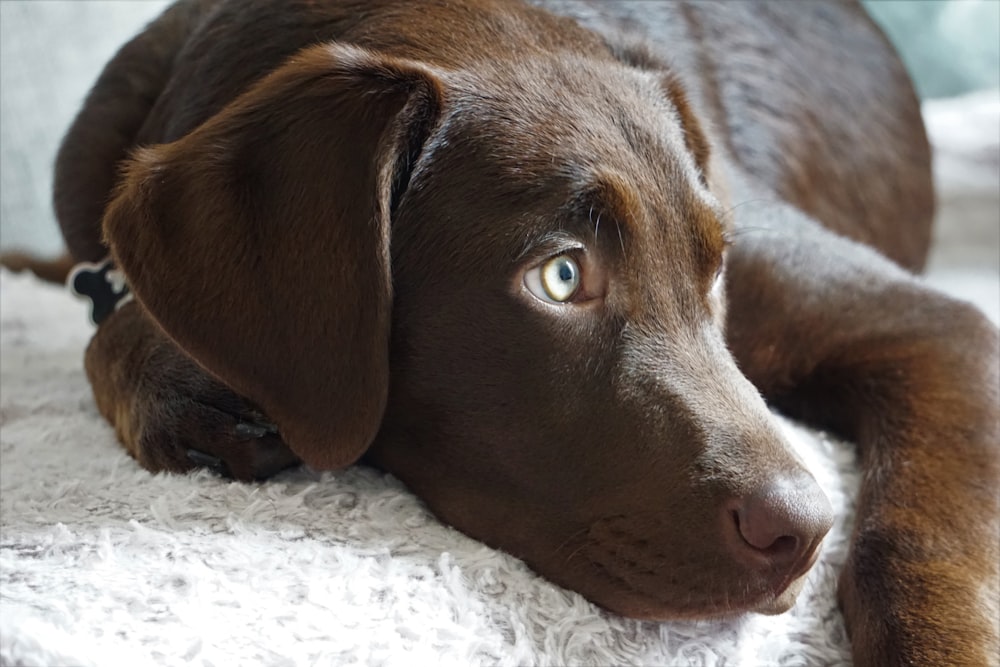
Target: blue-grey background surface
{"type": "Point", "coordinates": [950, 46]}
{"type": "Point", "coordinates": [52, 50]}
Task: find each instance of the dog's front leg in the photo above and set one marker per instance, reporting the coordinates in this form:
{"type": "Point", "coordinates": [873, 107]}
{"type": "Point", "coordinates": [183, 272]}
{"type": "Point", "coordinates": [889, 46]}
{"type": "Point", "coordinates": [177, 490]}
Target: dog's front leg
{"type": "Point", "coordinates": [168, 412]}
{"type": "Point", "coordinates": [833, 333]}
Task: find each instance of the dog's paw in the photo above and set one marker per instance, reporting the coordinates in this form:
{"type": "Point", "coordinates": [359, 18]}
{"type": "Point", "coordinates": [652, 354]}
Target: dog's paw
{"type": "Point", "coordinates": [198, 422]}
{"type": "Point", "coordinates": [916, 611]}
{"type": "Point", "coordinates": [170, 414]}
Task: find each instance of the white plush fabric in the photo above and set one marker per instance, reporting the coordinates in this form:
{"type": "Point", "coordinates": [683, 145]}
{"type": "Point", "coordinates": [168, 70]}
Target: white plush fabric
{"type": "Point", "coordinates": [102, 563]}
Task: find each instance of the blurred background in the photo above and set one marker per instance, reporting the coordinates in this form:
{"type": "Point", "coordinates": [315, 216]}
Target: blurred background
{"type": "Point", "coordinates": [52, 50]}
{"type": "Point", "coordinates": [950, 46]}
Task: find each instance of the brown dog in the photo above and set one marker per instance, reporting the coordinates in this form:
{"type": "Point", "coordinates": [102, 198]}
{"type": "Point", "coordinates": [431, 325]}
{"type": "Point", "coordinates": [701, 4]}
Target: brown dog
{"type": "Point", "coordinates": [481, 245]}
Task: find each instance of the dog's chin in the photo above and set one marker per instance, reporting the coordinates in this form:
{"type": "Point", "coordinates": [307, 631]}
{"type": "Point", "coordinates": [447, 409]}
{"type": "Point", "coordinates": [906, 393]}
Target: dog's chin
{"type": "Point", "coordinates": [646, 608]}
{"type": "Point", "coordinates": [784, 601]}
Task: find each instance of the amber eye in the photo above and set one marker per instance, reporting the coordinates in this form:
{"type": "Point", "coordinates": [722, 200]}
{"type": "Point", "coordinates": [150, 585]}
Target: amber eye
{"type": "Point", "coordinates": [554, 281]}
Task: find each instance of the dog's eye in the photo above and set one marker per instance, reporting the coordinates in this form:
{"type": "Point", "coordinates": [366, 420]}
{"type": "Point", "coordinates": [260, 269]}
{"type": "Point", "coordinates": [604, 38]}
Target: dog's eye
{"type": "Point", "coordinates": [554, 281]}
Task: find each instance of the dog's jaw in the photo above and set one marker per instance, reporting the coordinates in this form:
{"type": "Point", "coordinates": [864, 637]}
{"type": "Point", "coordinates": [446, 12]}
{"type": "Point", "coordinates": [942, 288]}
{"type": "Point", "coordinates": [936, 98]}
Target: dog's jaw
{"type": "Point", "coordinates": [784, 600]}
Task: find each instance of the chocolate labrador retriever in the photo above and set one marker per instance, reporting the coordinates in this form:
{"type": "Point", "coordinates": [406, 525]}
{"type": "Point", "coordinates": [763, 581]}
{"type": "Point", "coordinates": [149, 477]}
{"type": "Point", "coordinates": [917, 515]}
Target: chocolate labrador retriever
{"type": "Point", "coordinates": [546, 263]}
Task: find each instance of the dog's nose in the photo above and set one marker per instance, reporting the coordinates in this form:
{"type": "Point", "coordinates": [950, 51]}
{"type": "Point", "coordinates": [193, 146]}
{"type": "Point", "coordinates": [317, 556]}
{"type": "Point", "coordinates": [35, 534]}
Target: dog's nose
{"type": "Point", "coordinates": [783, 522]}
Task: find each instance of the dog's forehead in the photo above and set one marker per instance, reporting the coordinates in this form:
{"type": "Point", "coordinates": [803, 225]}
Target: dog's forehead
{"type": "Point", "coordinates": [574, 110]}
{"type": "Point", "coordinates": [568, 146]}
{"type": "Point", "coordinates": [559, 127]}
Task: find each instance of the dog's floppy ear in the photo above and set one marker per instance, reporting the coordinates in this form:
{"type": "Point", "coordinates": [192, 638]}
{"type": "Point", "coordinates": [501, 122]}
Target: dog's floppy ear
{"type": "Point", "coordinates": [260, 241]}
{"type": "Point", "coordinates": [694, 137]}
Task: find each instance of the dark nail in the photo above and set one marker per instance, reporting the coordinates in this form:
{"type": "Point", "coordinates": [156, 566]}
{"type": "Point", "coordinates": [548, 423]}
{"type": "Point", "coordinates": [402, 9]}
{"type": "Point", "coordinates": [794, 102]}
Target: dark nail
{"type": "Point", "coordinates": [250, 430]}
{"type": "Point", "coordinates": [204, 460]}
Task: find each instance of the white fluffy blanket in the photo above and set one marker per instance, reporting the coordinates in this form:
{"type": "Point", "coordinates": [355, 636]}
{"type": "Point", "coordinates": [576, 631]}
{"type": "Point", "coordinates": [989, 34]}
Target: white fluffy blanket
{"type": "Point", "coordinates": [102, 563]}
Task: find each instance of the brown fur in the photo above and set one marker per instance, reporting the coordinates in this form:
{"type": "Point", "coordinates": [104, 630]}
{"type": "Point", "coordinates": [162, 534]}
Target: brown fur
{"type": "Point", "coordinates": [50, 270]}
{"type": "Point", "coordinates": [326, 215]}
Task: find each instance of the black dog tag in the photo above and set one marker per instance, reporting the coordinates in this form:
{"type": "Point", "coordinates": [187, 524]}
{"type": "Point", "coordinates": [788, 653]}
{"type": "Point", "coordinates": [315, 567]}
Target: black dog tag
{"type": "Point", "coordinates": [101, 283]}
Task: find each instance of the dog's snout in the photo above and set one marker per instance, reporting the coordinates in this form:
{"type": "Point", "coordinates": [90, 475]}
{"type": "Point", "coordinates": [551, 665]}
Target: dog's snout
{"type": "Point", "coordinates": [781, 524]}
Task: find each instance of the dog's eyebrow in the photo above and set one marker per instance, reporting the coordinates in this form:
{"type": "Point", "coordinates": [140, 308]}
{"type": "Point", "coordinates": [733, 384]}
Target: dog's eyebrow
{"type": "Point", "coordinates": [607, 197]}
{"type": "Point", "coordinates": [610, 199]}
{"type": "Point", "coordinates": [598, 207]}
{"type": "Point", "coordinates": [608, 202]}
{"type": "Point", "coordinates": [605, 208]}
{"type": "Point", "coordinates": [592, 211]}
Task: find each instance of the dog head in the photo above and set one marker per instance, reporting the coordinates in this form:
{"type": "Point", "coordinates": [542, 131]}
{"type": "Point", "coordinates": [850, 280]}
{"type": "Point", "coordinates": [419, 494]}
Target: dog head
{"type": "Point", "coordinates": [505, 284]}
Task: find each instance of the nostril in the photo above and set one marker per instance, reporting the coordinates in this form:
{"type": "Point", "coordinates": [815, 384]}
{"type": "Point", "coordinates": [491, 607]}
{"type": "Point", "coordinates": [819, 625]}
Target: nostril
{"type": "Point", "coordinates": [784, 520]}
{"type": "Point", "coordinates": [765, 536]}
{"type": "Point", "coordinates": [786, 544]}
{"type": "Point", "coordinates": [785, 547]}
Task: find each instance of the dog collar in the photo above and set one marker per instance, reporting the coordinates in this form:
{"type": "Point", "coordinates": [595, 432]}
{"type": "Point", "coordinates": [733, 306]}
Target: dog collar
{"type": "Point", "coordinates": [102, 284]}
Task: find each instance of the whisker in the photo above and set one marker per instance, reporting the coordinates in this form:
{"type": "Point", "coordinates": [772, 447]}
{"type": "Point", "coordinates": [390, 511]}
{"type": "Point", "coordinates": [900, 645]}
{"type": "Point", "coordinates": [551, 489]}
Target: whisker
{"type": "Point", "coordinates": [727, 215]}
{"type": "Point", "coordinates": [597, 225]}
{"type": "Point", "coordinates": [572, 537]}
{"type": "Point", "coordinates": [733, 234]}
{"type": "Point", "coordinates": [574, 552]}
{"type": "Point", "coordinates": [621, 241]}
